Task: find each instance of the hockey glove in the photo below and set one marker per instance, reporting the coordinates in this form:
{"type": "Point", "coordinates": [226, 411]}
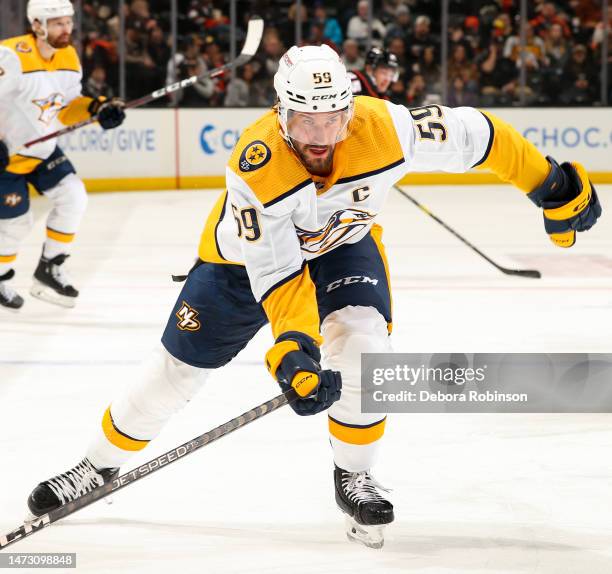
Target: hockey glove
{"type": "Point", "coordinates": [4, 156]}
{"type": "Point", "coordinates": [294, 363]}
{"type": "Point", "coordinates": [569, 201]}
{"type": "Point", "coordinates": [109, 113]}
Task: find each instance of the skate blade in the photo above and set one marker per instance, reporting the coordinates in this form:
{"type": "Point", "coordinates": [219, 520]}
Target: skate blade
{"type": "Point", "coordinates": [48, 295]}
{"type": "Point", "coordinates": [370, 536]}
{"type": "Point", "coordinates": [29, 517]}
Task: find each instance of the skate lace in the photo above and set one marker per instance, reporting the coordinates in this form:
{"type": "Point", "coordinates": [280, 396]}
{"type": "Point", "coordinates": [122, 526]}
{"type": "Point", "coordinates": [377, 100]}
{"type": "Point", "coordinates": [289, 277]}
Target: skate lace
{"type": "Point", "coordinates": [79, 480]}
{"type": "Point", "coordinates": [58, 273]}
{"type": "Point", "coordinates": [7, 292]}
{"type": "Point", "coordinates": [362, 487]}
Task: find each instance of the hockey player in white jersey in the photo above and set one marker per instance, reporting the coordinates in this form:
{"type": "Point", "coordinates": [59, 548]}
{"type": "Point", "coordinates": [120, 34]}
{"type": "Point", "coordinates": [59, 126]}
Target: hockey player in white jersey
{"type": "Point", "coordinates": [40, 91]}
{"type": "Point", "coordinates": [293, 242]}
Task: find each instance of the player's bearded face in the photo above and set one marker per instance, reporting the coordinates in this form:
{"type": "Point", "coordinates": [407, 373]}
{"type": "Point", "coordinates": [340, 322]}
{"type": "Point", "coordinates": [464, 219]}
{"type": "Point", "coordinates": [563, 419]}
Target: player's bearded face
{"type": "Point", "coordinates": [59, 31]}
{"type": "Point", "coordinates": [314, 137]}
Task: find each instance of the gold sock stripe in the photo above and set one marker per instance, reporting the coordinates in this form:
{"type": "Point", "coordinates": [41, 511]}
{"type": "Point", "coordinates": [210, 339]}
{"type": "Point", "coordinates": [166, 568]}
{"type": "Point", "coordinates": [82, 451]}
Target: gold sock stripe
{"type": "Point", "coordinates": [7, 258]}
{"type": "Point", "coordinates": [59, 236]}
{"type": "Point", "coordinates": [119, 439]}
{"type": "Point", "coordinates": [357, 434]}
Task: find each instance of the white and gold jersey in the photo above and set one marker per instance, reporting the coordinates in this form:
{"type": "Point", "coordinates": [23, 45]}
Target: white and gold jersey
{"type": "Point", "coordinates": [275, 216]}
{"type": "Point", "coordinates": [37, 97]}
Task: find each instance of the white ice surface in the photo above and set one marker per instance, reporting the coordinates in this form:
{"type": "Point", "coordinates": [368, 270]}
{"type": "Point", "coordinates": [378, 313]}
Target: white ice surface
{"type": "Point", "coordinates": [473, 493]}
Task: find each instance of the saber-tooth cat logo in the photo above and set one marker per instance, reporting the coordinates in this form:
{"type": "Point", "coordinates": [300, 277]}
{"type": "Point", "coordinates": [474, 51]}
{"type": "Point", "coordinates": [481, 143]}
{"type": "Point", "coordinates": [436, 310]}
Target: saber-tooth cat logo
{"type": "Point", "coordinates": [187, 318]}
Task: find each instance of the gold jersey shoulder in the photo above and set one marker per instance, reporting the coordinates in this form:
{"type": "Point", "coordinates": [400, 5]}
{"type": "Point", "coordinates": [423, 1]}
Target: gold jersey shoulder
{"type": "Point", "coordinates": [264, 161]}
{"type": "Point", "coordinates": [65, 59]}
{"type": "Point", "coordinates": [373, 144]}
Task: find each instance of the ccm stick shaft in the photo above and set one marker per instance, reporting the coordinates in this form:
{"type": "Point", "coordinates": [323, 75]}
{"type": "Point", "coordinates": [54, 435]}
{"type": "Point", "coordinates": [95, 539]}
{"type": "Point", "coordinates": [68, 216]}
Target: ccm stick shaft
{"type": "Point", "coordinates": [251, 44]}
{"type": "Point", "coordinates": [27, 529]}
{"type": "Point", "coordinates": [532, 273]}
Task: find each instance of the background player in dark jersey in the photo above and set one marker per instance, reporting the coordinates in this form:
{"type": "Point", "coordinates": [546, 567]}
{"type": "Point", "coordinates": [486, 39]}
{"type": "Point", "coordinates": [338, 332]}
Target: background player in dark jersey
{"type": "Point", "coordinates": [381, 69]}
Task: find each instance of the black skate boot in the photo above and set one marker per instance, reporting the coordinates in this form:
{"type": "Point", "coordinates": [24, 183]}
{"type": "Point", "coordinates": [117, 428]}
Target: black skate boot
{"type": "Point", "coordinates": [367, 511]}
{"type": "Point", "coordinates": [68, 486]}
{"type": "Point", "coordinates": [9, 298]}
{"type": "Point", "coordinates": [51, 283]}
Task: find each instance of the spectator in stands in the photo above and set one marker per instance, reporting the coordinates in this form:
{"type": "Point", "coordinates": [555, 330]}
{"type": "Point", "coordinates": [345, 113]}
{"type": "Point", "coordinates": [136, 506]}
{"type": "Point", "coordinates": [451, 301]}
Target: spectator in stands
{"type": "Point", "coordinates": [398, 48]}
{"type": "Point", "coordinates": [534, 50]}
{"type": "Point", "coordinates": [352, 58]}
{"type": "Point", "coordinates": [271, 51]}
{"type": "Point", "coordinates": [198, 12]}
{"type": "Point", "coordinates": [331, 28]}
{"type": "Point", "coordinates": [400, 27]}
{"type": "Point", "coordinates": [461, 95]}
{"type": "Point", "coordinates": [96, 86]}
{"type": "Point", "coordinates": [416, 92]}
{"type": "Point", "coordinates": [459, 65]}
{"type": "Point", "coordinates": [139, 17]}
{"type": "Point", "coordinates": [397, 92]}
{"type": "Point", "coordinates": [139, 67]}
{"type": "Point", "coordinates": [579, 84]}
{"type": "Point", "coordinates": [159, 52]}
{"type": "Point", "coordinates": [548, 16]}
{"type": "Point", "coordinates": [239, 90]}
{"type": "Point", "coordinates": [421, 37]}
{"type": "Point", "coordinates": [429, 68]}
{"type": "Point", "coordinates": [189, 62]}
{"type": "Point", "coordinates": [496, 74]}
{"type": "Point", "coordinates": [358, 26]}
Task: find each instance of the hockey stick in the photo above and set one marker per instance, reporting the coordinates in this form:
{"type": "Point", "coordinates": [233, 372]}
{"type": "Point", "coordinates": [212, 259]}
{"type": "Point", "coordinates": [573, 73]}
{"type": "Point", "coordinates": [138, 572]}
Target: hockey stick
{"type": "Point", "coordinates": [253, 38]}
{"type": "Point", "coordinates": [27, 529]}
{"type": "Point", "coordinates": [532, 273]}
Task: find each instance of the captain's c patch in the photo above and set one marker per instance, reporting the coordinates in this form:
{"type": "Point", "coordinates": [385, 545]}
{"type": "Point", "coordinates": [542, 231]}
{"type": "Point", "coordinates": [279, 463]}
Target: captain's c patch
{"type": "Point", "coordinates": [187, 318]}
{"type": "Point", "coordinates": [255, 155]}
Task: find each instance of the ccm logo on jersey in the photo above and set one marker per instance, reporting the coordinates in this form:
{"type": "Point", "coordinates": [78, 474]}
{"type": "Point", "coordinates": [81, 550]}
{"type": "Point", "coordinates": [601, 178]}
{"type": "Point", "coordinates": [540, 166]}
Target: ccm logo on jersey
{"type": "Point", "coordinates": [254, 156]}
{"type": "Point", "coordinates": [187, 318]}
{"type": "Point", "coordinates": [350, 281]}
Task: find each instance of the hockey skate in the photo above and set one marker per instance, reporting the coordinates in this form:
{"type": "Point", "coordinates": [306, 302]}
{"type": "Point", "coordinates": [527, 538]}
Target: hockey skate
{"type": "Point", "coordinates": [51, 284]}
{"type": "Point", "coordinates": [357, 495]}
{"type": "Point", "coordinates": [9, 298]}
{"type": "Point", "coordinates": [68, 486]}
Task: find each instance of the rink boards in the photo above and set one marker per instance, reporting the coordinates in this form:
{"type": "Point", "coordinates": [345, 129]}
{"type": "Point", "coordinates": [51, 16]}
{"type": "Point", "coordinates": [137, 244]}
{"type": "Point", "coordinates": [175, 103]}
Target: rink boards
{"type": "Point", "coordinates": [188, 148]}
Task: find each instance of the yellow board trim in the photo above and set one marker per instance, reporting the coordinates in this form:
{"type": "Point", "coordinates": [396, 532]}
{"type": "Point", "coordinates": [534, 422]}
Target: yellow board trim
{"type": "Point", "coordinates": [116, 185]}
{"type": "Point", "coordinates": [116, 438]}
{"type": "Point", "coordinates": [7, 258]}
{"type": "Point", "coordinates": [59, 236]}
{"type": "Point", "coordinates": [357, 435]}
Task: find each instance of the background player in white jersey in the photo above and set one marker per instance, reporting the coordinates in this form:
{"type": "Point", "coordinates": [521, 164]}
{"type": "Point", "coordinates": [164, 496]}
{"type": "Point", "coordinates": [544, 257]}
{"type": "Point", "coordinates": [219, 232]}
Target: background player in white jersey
{"type": "Point", "coordinates": [293, 242]}
{"type": "Point", "coordinates": [40, 90]}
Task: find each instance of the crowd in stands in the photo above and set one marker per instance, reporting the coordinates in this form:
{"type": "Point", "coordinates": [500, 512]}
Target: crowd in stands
{"type": "Point", "coordinates": [562, 56]}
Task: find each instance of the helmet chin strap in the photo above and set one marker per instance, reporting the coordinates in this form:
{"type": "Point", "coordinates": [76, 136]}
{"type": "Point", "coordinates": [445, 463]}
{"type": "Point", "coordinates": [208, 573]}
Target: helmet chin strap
{"type": "Point", "coordinates": [43, 29]}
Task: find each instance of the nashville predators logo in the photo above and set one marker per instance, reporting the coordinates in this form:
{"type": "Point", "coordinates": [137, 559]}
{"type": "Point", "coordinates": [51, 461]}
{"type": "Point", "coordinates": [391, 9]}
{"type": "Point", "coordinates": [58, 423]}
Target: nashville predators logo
{"type": "Point", "coordinates": [341, 226]}
{"type": "Point", "coordinates": [23, 47]}
{"type": "Point", "coordinates": [254, 156]}
{"type": "Point", "coordinates": [187, 317]}
{"type": "Point", "coordinates": [49, 107]}
{"type": "Point", "coordinates": [12, 200]}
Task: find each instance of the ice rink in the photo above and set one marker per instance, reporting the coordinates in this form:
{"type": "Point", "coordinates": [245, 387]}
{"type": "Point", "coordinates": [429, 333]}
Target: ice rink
{"type": "Point", "coordinates": [473, 493]}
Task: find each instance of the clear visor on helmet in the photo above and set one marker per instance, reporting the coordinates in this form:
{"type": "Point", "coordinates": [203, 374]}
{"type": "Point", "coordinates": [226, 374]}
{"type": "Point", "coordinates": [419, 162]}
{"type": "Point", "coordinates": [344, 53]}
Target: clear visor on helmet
{"type": "Point", "coordinates": [318, 128]}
